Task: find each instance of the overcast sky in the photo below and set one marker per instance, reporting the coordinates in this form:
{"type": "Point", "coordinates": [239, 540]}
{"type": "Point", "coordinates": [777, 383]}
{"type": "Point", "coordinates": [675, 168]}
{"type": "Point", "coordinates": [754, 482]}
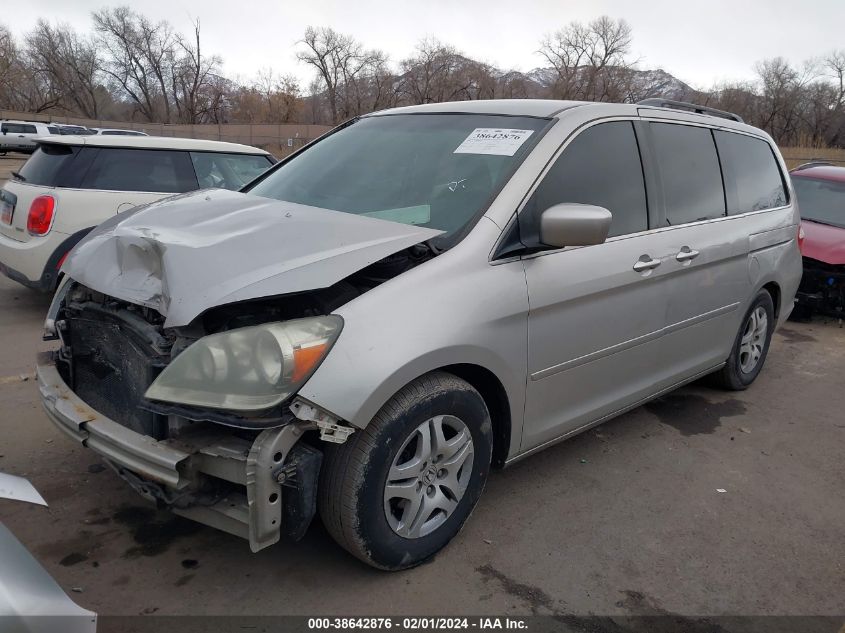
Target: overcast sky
{"type": "Point", "coordinates": [700, 43]}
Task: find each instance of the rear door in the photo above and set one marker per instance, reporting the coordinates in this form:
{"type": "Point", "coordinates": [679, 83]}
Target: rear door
{"type": "Point", "coordinates": [596, 313]}
{"type": "Point", "coordinates": [707, 264]}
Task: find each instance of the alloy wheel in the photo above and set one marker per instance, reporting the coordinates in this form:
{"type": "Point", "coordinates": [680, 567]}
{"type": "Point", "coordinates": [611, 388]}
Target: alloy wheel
{"type": "Point", "coordinates": [753, 339]}
{"type": "Point", "coordinates": [428, 477]}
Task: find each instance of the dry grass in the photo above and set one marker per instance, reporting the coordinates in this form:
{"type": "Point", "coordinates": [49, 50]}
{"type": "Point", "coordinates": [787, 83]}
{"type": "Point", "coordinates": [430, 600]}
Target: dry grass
{"type": "Point", "coordinates": [795, 156]}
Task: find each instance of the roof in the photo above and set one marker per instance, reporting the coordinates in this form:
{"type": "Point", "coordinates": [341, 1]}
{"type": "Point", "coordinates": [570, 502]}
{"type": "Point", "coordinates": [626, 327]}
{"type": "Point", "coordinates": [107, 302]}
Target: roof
{"type": "Point", "coordinates": [509, 107]}
{"type": "Point", "coordinates": [45, 123]}
{"type": "Point", "coordinates": [549, 108]}
{"type": "Point", "coordinates": [153, 142]}
{"type": "Point", "coordinates": [821, 172]}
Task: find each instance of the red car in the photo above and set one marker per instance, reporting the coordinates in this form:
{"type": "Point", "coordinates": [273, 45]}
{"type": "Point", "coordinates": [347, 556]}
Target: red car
{"type": "Point", "coordinates": [820, 188]}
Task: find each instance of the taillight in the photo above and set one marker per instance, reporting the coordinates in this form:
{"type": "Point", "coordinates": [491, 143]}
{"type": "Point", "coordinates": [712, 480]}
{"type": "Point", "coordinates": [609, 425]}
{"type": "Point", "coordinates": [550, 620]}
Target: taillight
{"type": "Point", "coordinates": [801, 238]}
{"type": "Point", "coordinates": [40, 217]}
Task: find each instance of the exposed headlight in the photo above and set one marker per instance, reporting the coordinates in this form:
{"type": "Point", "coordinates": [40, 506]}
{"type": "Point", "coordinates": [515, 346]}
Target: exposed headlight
{"type": "Point", "coordinates": [250, 368]}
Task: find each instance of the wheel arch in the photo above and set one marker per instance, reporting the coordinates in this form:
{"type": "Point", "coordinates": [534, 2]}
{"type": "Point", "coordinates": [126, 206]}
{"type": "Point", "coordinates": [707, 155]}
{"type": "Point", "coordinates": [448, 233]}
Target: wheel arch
{"type": "Point", "coordinates": [773, 288]}
{"type": "Point", "coordinates": [51, 277]}
{"type": "Point", "coordinates": [486, 383]}
{"type": "Point", "coordinates": [482, 376]}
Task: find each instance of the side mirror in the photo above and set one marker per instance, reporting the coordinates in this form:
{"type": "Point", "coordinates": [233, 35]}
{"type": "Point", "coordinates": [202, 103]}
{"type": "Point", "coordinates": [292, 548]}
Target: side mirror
{"type": "Point", "coordinates": [570, 224]}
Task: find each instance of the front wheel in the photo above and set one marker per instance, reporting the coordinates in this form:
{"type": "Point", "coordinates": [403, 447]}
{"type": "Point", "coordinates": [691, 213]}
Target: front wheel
{"type": "Point", "coordinates": [398, 491]}
{"type": "Point", "coordinates": [751, 345]}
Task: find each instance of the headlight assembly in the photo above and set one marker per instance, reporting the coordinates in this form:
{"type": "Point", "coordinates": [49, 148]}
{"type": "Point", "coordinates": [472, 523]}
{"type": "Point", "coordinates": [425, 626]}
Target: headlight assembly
{"type": "Point", "coordinates": [250, 368]}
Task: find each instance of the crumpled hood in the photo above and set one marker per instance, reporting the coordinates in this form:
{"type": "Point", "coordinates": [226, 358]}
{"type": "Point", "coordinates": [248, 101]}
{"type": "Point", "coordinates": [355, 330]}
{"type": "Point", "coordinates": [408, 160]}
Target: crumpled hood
{"type": "Point", "coordinates": [823, 242]}
{"type": "Point", "coordinates": [188, 253]}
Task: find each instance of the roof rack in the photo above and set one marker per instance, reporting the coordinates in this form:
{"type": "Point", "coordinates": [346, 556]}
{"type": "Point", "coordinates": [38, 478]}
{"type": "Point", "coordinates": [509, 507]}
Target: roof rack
{"type": "Point", "coordinates": [690, 107]}
{"type": "Point", "coordinates": [814, 162]}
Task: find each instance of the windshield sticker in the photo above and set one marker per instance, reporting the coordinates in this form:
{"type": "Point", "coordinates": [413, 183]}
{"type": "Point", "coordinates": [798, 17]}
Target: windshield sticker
{"type": "Point", "coordinates": [406, 215]}
{"type": "Point", "coordinates": [491, 140]}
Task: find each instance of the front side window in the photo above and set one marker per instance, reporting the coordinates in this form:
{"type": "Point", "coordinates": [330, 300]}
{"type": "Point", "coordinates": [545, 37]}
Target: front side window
{"type": "Point", "coordinates": [752, 177]}
{"type": "Point", "coordinates": [602, 167]}
{"type": "Point", "coordinates": [227, 171]}
{"type": "Point", "coordinates": [690, 172]}
{"type": "Point", "coordinates": [434, 170]}
{"type": "Point", "coordinates": [821, 200]}
{"type": "Point", "coordinates": [160, 171]}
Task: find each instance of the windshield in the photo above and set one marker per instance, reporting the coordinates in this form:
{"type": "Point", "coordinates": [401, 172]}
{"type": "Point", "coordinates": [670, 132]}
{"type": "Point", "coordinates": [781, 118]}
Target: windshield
{"type": "Point", "coordinates": [821, 200]}
{"type": "Point", "coordinates": [434, 170]}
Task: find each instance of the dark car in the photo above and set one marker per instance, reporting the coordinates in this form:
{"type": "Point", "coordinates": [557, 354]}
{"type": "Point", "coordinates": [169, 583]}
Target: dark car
{"type": "Point", "coordinates": [820, 188]}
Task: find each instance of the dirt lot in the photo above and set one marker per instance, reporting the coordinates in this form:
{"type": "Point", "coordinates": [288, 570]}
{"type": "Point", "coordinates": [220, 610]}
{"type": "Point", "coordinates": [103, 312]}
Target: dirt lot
{"type": "Point", "coordinates": [9, 163]}
{"type": "Point", "coordinates": [623, 520]}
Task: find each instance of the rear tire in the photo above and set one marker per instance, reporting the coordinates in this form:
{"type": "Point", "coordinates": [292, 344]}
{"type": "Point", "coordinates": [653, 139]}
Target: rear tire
{"type": "Point", "coordinates": [397, 491]}
{"type": "Point", "coordinates": [750, 347]}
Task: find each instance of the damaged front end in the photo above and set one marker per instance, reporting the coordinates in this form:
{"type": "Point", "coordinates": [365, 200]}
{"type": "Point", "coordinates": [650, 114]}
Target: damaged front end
{"type": "Point", "coordinates": [186, 330]}
{"type": "Point", "coordinates": [822, 289]}
{"type": "Point", "coordinates": [247, 475]}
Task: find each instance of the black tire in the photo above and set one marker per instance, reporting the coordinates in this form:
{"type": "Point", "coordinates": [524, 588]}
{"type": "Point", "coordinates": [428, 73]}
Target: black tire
{"type": "Point", "coordinates": [354, 474]}
{"type": "Point", "coordinates": [732, 376]}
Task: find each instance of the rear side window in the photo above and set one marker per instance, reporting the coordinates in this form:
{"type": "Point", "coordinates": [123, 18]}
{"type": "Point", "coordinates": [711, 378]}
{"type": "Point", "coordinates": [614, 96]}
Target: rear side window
{"type": "Point", "coordinates": [601, 166]}
{"type": "Point", "coordinates": [18, 128]}
{"type": "Point", "coordinates": [689, 169]}
{"type": "Point", "coordinates": [160, 171]}
{"type": "Point", "coordinates": [753, 180]}
{"type": "Point", "coordinates": [49, 165]}
{"type": "Point", "coordinates": [227, 171]}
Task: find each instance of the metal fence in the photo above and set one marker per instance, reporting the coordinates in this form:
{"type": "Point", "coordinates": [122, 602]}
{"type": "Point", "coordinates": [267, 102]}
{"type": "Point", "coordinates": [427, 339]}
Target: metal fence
{"type": "Point", "coordinates": [280, 139]}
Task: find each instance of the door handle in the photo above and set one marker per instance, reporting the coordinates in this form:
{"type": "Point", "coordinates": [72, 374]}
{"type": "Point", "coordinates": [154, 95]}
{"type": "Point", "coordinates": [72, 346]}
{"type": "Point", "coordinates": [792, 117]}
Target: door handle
{"type": "Point", "coordinates": [646, 263]}
{"type": "Point", "coordinates": [686, 254]}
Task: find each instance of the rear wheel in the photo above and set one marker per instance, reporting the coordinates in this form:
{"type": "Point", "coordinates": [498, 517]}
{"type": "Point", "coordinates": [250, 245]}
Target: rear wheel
{"type": "Point", "coordinates": [751, 345]}
{"type": "Point", "coordinates": [398, 491]}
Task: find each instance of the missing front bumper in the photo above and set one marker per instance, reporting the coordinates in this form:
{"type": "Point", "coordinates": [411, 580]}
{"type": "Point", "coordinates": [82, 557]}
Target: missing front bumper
{"type": "Point", "coordinates": [175, 472]}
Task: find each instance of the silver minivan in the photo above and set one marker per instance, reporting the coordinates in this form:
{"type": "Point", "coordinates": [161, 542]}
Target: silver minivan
{"type": "Point", "coordinates": [421, 295]}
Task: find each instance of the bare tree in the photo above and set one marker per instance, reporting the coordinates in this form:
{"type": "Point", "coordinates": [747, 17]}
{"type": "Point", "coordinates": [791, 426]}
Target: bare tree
{"type": "Point", "coordinates": [271, 98]}
{"type": "Point", "coordinates": [140, 56]}
{"type": "Point", "coordinates": [834, 64]}
{"type": "Point", "coordinates": [69, 62]}
{"type": "Point", "coordinates": [343, 66]}
{"type": "Point", "coordinates": [590, 60]}
{"type": "Point", "coordinates": [437, 72]}
{"type": "Point", "coordinates": [331, 54]}
{"type": "Point", "coordinates": [22, 85]}
{"type": "Point", "coordinates": [192, 78]}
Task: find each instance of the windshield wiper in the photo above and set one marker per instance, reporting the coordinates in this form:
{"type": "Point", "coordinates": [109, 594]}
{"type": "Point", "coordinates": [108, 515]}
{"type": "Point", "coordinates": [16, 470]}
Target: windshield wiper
{"type": "Point", "coordinates": [18, 176]}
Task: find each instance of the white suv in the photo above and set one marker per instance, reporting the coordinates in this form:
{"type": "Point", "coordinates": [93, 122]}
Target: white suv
{"type": "Point", "coordinates": [19, 136]}
{"type": "Point", "coordinates": [72, 183]}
